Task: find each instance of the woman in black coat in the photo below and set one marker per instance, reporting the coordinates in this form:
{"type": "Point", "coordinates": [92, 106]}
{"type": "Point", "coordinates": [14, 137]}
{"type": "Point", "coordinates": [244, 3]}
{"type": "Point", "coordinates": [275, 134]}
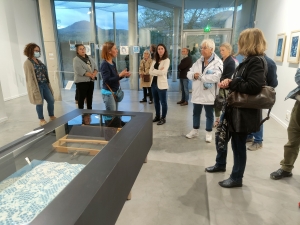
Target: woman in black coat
{"type": "Point", "coordinates": [249, 78]}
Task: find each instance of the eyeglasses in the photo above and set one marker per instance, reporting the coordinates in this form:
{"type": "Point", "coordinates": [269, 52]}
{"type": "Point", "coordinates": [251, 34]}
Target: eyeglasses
{"type": "Point", "coordinates": [204, 48]}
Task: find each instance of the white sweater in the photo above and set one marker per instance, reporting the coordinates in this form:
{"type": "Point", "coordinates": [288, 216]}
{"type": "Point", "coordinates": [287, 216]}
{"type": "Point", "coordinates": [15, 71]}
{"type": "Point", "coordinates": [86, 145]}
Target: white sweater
{"type": "Point", "coordinates": [200, 95]}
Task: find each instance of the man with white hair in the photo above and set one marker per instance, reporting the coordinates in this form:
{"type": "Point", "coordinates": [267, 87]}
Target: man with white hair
{"type": "Point", "coordinates": [205, 74]}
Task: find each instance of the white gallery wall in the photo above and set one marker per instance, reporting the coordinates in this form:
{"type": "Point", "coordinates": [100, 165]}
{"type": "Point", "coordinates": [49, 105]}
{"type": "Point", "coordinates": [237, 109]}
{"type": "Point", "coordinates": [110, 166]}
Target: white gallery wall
{"type": "Point", "coordinates": [274, 17]}
{"type": "Point", "coordinates": [19, 25]}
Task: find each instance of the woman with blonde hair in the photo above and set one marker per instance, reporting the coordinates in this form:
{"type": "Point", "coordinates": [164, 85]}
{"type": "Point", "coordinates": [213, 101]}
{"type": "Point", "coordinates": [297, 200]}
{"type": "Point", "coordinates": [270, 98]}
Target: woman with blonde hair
{"type": "Point", "coordinates": [111, 77]}
{"type": "Point", "coordinates": [229, 66]}
{"type": "Point", "coordinates": [249, 78]}
{"type": "Point", "coordinates": [145, 79]}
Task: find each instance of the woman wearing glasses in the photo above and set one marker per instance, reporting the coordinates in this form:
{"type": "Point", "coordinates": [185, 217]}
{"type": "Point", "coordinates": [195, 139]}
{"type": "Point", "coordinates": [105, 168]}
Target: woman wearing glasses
{"type": "Point", "coordinates": [205, 74]}
{"type": "Point", "coordinates": [37, 82]}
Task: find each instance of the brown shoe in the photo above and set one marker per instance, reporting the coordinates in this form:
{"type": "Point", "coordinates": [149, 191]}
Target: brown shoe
{"type": "Point", "coordinates": [43, 122]}
{"type": "Point", "coordinates": [180, 102]}
{"type": "Point", "coordinates": [52, 118]}
{"type": "Point", "coordinates": [184, 103]}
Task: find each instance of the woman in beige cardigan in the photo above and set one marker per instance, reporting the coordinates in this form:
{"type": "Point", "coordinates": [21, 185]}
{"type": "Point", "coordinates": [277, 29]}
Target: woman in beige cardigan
{"type": "Point", "coordinates": [37, 81]}
{"type": "Point", "coordinates": [145, 82]}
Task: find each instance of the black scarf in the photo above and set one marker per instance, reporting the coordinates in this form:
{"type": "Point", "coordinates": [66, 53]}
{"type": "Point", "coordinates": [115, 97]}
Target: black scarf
{"type": "Point", "coordinates": [85, 59]}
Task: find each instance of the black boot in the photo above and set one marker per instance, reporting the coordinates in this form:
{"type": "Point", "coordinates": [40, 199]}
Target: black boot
{"type": "Point", "coordinates": [162, 121]}
{"type": "Point", "coordinates": [156, 119]}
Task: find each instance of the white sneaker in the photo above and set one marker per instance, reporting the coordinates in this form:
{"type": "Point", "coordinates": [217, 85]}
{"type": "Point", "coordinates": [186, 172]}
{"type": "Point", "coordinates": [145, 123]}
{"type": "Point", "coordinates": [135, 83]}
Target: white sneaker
{"type": "Point", "coordinates": [193, 133]}
{"type": "Point", "coordinates": [208, 137]}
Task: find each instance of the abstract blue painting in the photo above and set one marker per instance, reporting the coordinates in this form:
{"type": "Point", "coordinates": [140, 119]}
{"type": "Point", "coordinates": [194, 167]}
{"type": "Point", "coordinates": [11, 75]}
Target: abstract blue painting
{"type": "Point", "coordinates": [279, 51]}
{"type": "Point", "coordinates": [294, 47]}
{"type": "Point", "coordinates": [293, 56]}
{"type": "Point", "coordinates": [279, 47]}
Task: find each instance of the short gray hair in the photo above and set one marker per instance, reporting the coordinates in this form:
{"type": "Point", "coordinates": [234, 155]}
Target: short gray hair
{"type": "Point", "coordinates": [147, 51]}
{"type": "Point", "coordinates": [209, 43]}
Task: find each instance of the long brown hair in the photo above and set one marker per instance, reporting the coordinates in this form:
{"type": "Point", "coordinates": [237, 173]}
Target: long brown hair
{"type": "Point", "coordinates": [157, 58]}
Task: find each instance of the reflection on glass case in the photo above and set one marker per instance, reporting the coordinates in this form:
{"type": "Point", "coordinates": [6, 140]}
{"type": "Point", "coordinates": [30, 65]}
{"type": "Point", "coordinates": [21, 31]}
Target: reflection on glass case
{"type": "Point", "coordinates": [37, 168]}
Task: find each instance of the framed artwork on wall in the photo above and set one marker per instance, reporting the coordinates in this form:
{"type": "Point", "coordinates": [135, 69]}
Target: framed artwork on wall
{"type": "Point", "coordinates": [293, 53]}
{"type": "Point", "coordinates": [280, 46]}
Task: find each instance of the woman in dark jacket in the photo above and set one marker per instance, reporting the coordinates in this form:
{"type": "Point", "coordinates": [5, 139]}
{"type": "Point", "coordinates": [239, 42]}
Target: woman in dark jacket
{"type": "Point", "coordinates": [111, 77]}
{"type": "Point", "coordinates": [249, 79]}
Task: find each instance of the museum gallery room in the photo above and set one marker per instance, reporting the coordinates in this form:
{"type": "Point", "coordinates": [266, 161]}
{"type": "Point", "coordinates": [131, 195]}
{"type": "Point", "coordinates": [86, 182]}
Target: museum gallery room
{"type": "Point", "coordinates": [83, 86]}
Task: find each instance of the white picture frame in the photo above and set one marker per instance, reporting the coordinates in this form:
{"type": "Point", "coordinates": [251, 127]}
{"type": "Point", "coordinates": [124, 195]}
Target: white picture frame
{"type": "Point", "coordinates": [280, 47]}
{"type": "Point", "coordinates": [124, 50]}
{"type": "Point", "coordinates": [88, 49]}
{"type": "Point", "coordinates": [293, 53]}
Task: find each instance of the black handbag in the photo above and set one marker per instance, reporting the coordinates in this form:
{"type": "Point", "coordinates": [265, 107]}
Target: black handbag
{"type": "Point", "coordinates": [264, 100]}
{"type": "Point", "coordinates": [220, 100]}
{"type": "Point", "coordinates": [146, 77]}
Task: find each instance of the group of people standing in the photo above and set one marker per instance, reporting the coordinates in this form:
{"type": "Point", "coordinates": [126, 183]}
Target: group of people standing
{"type": "Point", "coordinates": [210, 75]}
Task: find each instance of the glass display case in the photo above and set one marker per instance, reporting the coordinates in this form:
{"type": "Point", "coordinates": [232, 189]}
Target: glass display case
{"type": "Point", "coordinates": [78, 169]}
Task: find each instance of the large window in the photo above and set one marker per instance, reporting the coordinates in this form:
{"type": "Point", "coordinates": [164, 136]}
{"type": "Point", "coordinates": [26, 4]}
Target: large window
{"type": "Point", "coordinates": [158, 22]}
{"type": "Point", "coordinates": [244, 18]}
{"type": "Point", "coordinates": [112, 25]}
{"type": "Point", "coordinates": [215, 14]}
{"type": "Point", "coordinates": [74, 25]}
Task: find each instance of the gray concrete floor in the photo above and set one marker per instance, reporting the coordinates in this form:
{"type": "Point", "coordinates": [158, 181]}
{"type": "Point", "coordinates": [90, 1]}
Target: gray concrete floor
{"type": "Point", "coordinates": [172, 188]}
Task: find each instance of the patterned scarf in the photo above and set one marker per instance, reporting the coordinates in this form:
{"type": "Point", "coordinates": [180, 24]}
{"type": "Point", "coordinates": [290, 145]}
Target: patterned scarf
{"type": "Point", "coordinates": [86, 59]}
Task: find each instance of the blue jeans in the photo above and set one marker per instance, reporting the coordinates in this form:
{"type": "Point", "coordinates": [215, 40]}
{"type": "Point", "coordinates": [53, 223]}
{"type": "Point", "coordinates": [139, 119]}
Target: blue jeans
{"type": "Point", "coordinates": [238, 145]}
{"type": "Point", "coordinates": [47, 95]}
{"type": "Point", "coordinates": [209, 113]}
{"type": "Point", "coordinates": [184, 83]}
{"type": "Point", "coordinates": [110, 103]}
{"type": "Point", "coordinates": [160, 98]}
{"type": "Point", "coordinates": [258, 136]}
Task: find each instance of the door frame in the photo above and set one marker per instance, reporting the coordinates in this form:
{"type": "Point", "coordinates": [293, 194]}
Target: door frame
{"type": "Point", "coordinates": [185, 33]}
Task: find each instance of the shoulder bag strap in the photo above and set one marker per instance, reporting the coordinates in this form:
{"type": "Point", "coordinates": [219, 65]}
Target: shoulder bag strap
{"type": "Point", "coordinates": [112, 91]}
{"type": "Point", "coordinates": [265, 65]}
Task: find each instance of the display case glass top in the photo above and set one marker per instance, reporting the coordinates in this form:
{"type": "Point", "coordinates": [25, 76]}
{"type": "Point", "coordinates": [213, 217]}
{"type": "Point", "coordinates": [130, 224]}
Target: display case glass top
{"type": "Point", "coordinates": [36, 169]}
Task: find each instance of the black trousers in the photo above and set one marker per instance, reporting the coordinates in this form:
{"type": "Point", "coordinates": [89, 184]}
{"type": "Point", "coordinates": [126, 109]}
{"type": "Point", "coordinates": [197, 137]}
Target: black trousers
{"type": "Point", "coordinates": [145, 93]}
{"type": "Point", "coordinates": [85, 91]}
{"type": "Point", "coordinates": [76, 93]}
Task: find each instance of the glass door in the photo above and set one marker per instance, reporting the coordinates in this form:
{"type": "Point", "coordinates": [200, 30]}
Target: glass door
{"type": "Point", "coordinates": [192, 40]}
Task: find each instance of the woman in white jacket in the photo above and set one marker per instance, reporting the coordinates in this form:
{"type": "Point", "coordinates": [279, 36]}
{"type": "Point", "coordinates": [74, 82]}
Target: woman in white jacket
{"type": "Point", "coordinates": [159, 82]}
{"type": "Point", "coordinates": [205, 74]}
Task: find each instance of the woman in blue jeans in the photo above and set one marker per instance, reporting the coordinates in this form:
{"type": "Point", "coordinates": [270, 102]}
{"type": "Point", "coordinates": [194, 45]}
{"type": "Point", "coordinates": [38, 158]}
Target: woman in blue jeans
{"type": "Point", "coordinates": [37, 82]}
{"type": "Point", "coordinates": [248, 78]}
{"type": "Point", "coordinates": [111, 77]}
{"type": "Point", "coordinates": [159, 83]}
